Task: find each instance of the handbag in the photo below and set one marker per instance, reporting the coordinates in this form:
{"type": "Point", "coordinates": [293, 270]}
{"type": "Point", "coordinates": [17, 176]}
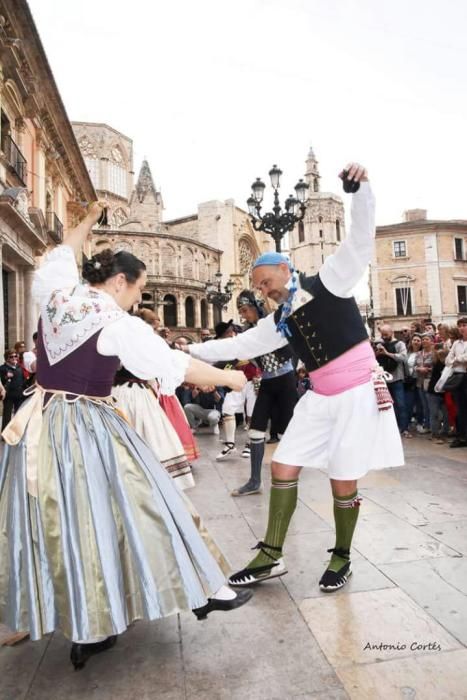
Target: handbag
{"type": "Point", "coordinates": [449, 380]}
{"type": "Point", "coordinates": [454, 381]}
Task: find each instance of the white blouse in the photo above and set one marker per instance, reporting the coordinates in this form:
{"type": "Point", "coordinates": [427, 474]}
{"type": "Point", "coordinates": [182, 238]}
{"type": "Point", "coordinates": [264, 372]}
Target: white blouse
{"type": "Point", "coordinates": [458, 353]}
{"type": "Point", "coordinates": [133, 341]}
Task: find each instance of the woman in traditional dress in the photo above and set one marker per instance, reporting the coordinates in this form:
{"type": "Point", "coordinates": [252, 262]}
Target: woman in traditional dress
{"type": "Point", "coordinates": [173, 410]}
{"type": "Point", "coordinates": [137, 400]}
{"type": "Point", "coordinates": [93, 532]}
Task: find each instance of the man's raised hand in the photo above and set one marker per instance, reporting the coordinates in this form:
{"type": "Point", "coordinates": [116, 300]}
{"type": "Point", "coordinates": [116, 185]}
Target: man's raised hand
{"type": "Point", "coordinates": [355, 172]}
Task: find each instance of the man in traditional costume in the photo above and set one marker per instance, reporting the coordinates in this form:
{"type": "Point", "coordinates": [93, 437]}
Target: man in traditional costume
{"type": "Point", "coordinates": [346, 424]}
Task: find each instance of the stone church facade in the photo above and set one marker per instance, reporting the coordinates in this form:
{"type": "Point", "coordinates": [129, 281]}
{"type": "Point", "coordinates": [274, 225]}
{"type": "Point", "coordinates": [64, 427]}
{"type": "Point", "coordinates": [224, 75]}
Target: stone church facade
{"type": "Point", "coordinates": [182, 254]}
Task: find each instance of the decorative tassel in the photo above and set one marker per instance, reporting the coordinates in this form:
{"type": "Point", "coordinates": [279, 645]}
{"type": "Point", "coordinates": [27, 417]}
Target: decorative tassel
{"type": "Point", "coordinates": [383, 397]}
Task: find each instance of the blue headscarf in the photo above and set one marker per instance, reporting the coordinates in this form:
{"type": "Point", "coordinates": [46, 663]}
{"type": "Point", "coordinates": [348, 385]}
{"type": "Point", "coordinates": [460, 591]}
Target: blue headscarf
{"type": "Point", "coordinates": [276, 259]}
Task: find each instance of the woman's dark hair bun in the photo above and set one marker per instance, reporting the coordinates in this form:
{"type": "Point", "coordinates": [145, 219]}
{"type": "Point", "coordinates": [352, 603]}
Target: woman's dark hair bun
{"type": "Point", "coordinates": [106, 264]}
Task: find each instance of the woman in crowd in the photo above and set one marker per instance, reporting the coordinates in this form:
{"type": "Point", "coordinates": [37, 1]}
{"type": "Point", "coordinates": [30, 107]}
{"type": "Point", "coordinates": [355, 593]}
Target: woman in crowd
{"type": "Point", "coordinates": [410, 385]}
{"type": "Point", "coordinates": [457, 359]}
{"type": "Point", "coordinates": [443, 335]}
{"type": "Point", "coordinates": [93, 532]}
{"type": "Point", "coordinates": [423, 369]}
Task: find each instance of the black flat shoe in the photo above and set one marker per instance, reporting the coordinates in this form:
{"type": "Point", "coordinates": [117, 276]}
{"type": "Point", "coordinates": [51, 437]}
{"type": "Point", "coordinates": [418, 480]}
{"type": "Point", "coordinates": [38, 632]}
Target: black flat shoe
{"type": "Point", "coordinates": [333, 580]}
{"type": "Point", "coordinates": [215, 604]}
{"type": "Point", "coordinates": [80, 653]}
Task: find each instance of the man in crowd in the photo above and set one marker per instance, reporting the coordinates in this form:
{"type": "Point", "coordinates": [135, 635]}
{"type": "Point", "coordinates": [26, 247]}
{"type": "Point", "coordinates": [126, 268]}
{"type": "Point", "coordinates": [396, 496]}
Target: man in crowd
{"type": "Point", "coordinates": [205, 406]}
{"type": "Point", "coordinates": [392, 355]}
{"type": "Point", "coordinates": [14, 382]}
{"type": "Point", "coordinates": [205, 335]}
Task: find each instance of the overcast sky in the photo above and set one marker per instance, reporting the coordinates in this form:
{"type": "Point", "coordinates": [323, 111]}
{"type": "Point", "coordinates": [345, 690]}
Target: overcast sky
{"type": "Point", "coordinates": [213, 92]}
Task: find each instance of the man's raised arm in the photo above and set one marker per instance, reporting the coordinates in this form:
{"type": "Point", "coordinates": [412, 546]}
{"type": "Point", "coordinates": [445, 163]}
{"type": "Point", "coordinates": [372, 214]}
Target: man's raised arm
{"type": "Point", "coordinates": [344, 269]}
{"type": "Point", "coordinates": [254, 342]}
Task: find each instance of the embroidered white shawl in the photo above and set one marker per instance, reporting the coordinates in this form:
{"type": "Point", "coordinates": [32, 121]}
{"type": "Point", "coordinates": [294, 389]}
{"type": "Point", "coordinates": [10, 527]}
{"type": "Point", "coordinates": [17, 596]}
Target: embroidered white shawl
{"type": "Point", "coordinates": [71, 317]}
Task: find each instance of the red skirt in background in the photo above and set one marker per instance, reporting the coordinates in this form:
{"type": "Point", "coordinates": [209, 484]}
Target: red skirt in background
{"type": "Point", "coordinates": [176, 415]}
{"type": "Point", "coordinates": [452, 409]}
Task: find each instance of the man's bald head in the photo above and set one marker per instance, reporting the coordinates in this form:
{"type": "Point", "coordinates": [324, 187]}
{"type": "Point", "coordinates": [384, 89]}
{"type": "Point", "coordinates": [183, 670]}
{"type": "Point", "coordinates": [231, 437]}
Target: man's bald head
{"type": "Point", "coordinates": [386, 331]}
{"type": "Point", "coordinates": [271, 280]}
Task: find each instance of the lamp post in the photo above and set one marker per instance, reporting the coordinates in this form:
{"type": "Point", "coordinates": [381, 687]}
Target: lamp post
{"type": "Point", "coordinates": [215, 295]}
{"type": "Point", "coordinates": [279, 221]}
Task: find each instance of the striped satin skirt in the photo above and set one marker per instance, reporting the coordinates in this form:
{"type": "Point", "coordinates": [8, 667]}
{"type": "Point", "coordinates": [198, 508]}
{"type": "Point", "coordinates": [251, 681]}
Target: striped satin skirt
{"type": "Point", "coordinates": [108, 539]}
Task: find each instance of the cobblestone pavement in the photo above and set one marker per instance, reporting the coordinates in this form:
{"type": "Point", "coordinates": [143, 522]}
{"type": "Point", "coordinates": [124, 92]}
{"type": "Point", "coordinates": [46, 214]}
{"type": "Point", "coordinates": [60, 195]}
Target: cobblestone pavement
{"type": "Point", "coordinates": [398, 630]}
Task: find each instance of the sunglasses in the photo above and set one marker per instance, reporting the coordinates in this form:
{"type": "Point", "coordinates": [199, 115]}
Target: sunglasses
{"type": "Point", "coordinates": [13, 355]}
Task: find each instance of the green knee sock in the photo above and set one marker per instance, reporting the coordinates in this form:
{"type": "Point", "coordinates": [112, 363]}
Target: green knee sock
{"type": "Point", "coordinates": [346, 509]}
{"type": "Point", "coordinates": [282, 503]}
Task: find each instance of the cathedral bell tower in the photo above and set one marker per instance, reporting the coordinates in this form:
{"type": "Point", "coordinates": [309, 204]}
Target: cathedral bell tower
{"type": "Point", "coordinates": [312, 176]}
{"type": "Point", "coordinates": [322, 228]}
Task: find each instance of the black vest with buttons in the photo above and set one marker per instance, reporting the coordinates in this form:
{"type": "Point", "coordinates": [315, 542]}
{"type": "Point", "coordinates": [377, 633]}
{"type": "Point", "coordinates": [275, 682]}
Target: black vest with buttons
{"type": "Point", "coordinates": [324, 327]}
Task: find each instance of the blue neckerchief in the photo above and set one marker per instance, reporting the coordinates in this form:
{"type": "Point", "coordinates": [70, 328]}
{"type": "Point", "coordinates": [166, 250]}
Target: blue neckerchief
{"type": "Point", "coordinates": [287, 307]}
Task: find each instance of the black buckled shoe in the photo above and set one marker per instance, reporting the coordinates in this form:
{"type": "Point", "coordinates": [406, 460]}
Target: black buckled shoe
{"type": "Point", "coordinates": [256, 574]}
{"type": "Point", "coordinates": [80, 653]}
{"type": "Point", "coordinates": [241, 598]}
{"type": "Point", "coordinates": [332, 580]}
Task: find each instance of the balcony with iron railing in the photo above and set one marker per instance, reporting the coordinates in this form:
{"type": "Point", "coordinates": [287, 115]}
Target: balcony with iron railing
{"type": "Point", "coordinates": [15, 158]}
{"type": "Point", "coordinates": [424, 311]}
{"type": "Point", "coordinates": [54, 227]}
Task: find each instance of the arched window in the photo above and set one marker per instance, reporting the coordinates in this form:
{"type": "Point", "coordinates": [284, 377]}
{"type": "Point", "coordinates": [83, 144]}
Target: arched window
{"type": "Point", "coordinates": [204, 313]}
{"type": "Point", "coordinates": [92, 166]}
{"type": "Point", "coordinates": [338, 229]}
{"type": "Point", "coordinates": [117, 177]}
{"type": "Point", "coordinates": [187, 263]}
{"type": "Point", "coordinates": [301, 232]}
{"type": "Point", "coordinates": [147, 301]}
{"type": "Point", "coordinates": [189, 312]}
{"type": "Point", "coordinates": [169, 260]}
{"type": "Point", "coordinates": [88, 150]}
{"type": "Point", "coordinates": [315, 184]}
{"type": "Point", "coordinates": [203, 268]}
{"type": "Point", "coordinates": [170, 311]}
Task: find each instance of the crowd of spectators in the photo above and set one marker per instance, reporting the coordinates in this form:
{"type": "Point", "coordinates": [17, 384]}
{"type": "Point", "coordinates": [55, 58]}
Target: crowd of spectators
{"type": "Point", "coordinates": [428, 399]}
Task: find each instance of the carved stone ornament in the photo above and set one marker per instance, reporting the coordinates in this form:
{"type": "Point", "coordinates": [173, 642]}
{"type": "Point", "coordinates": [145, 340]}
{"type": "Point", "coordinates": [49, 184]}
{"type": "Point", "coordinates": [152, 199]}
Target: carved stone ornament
{"type": "Point", "coordinates": [87, 147]}
{"type": "Point", "coordinates": [246, 257]}
{"type": "Point", "coordinates": [22, 203]}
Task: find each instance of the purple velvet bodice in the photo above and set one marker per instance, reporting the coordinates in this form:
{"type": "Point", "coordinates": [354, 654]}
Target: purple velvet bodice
{"type": "Point", "coordinates": [83, 371]}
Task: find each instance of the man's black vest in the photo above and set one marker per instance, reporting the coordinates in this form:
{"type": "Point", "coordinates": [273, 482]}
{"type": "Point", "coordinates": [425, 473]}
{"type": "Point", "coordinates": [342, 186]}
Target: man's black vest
{"type": "Point", "coordinates": [324, 327]}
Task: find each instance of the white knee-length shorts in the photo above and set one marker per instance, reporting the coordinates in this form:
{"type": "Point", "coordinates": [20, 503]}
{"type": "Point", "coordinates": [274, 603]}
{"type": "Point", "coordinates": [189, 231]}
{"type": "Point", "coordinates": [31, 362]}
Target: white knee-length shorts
{"type": "Point", "coordinates": [345, 434]}
{"type": "Point", "coordinates": [237, 401]}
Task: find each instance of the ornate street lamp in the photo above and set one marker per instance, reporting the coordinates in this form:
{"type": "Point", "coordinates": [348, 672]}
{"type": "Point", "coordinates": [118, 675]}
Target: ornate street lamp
{"type": "Point", "coordinates": [215, 295]}
{"type": "Point", "coordinates": [277, 222]}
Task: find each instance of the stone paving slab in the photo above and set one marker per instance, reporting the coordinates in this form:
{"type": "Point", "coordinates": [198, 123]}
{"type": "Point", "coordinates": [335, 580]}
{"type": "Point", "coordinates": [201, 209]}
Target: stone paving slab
{"type": "Point", "coordinates": [293, 641]}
